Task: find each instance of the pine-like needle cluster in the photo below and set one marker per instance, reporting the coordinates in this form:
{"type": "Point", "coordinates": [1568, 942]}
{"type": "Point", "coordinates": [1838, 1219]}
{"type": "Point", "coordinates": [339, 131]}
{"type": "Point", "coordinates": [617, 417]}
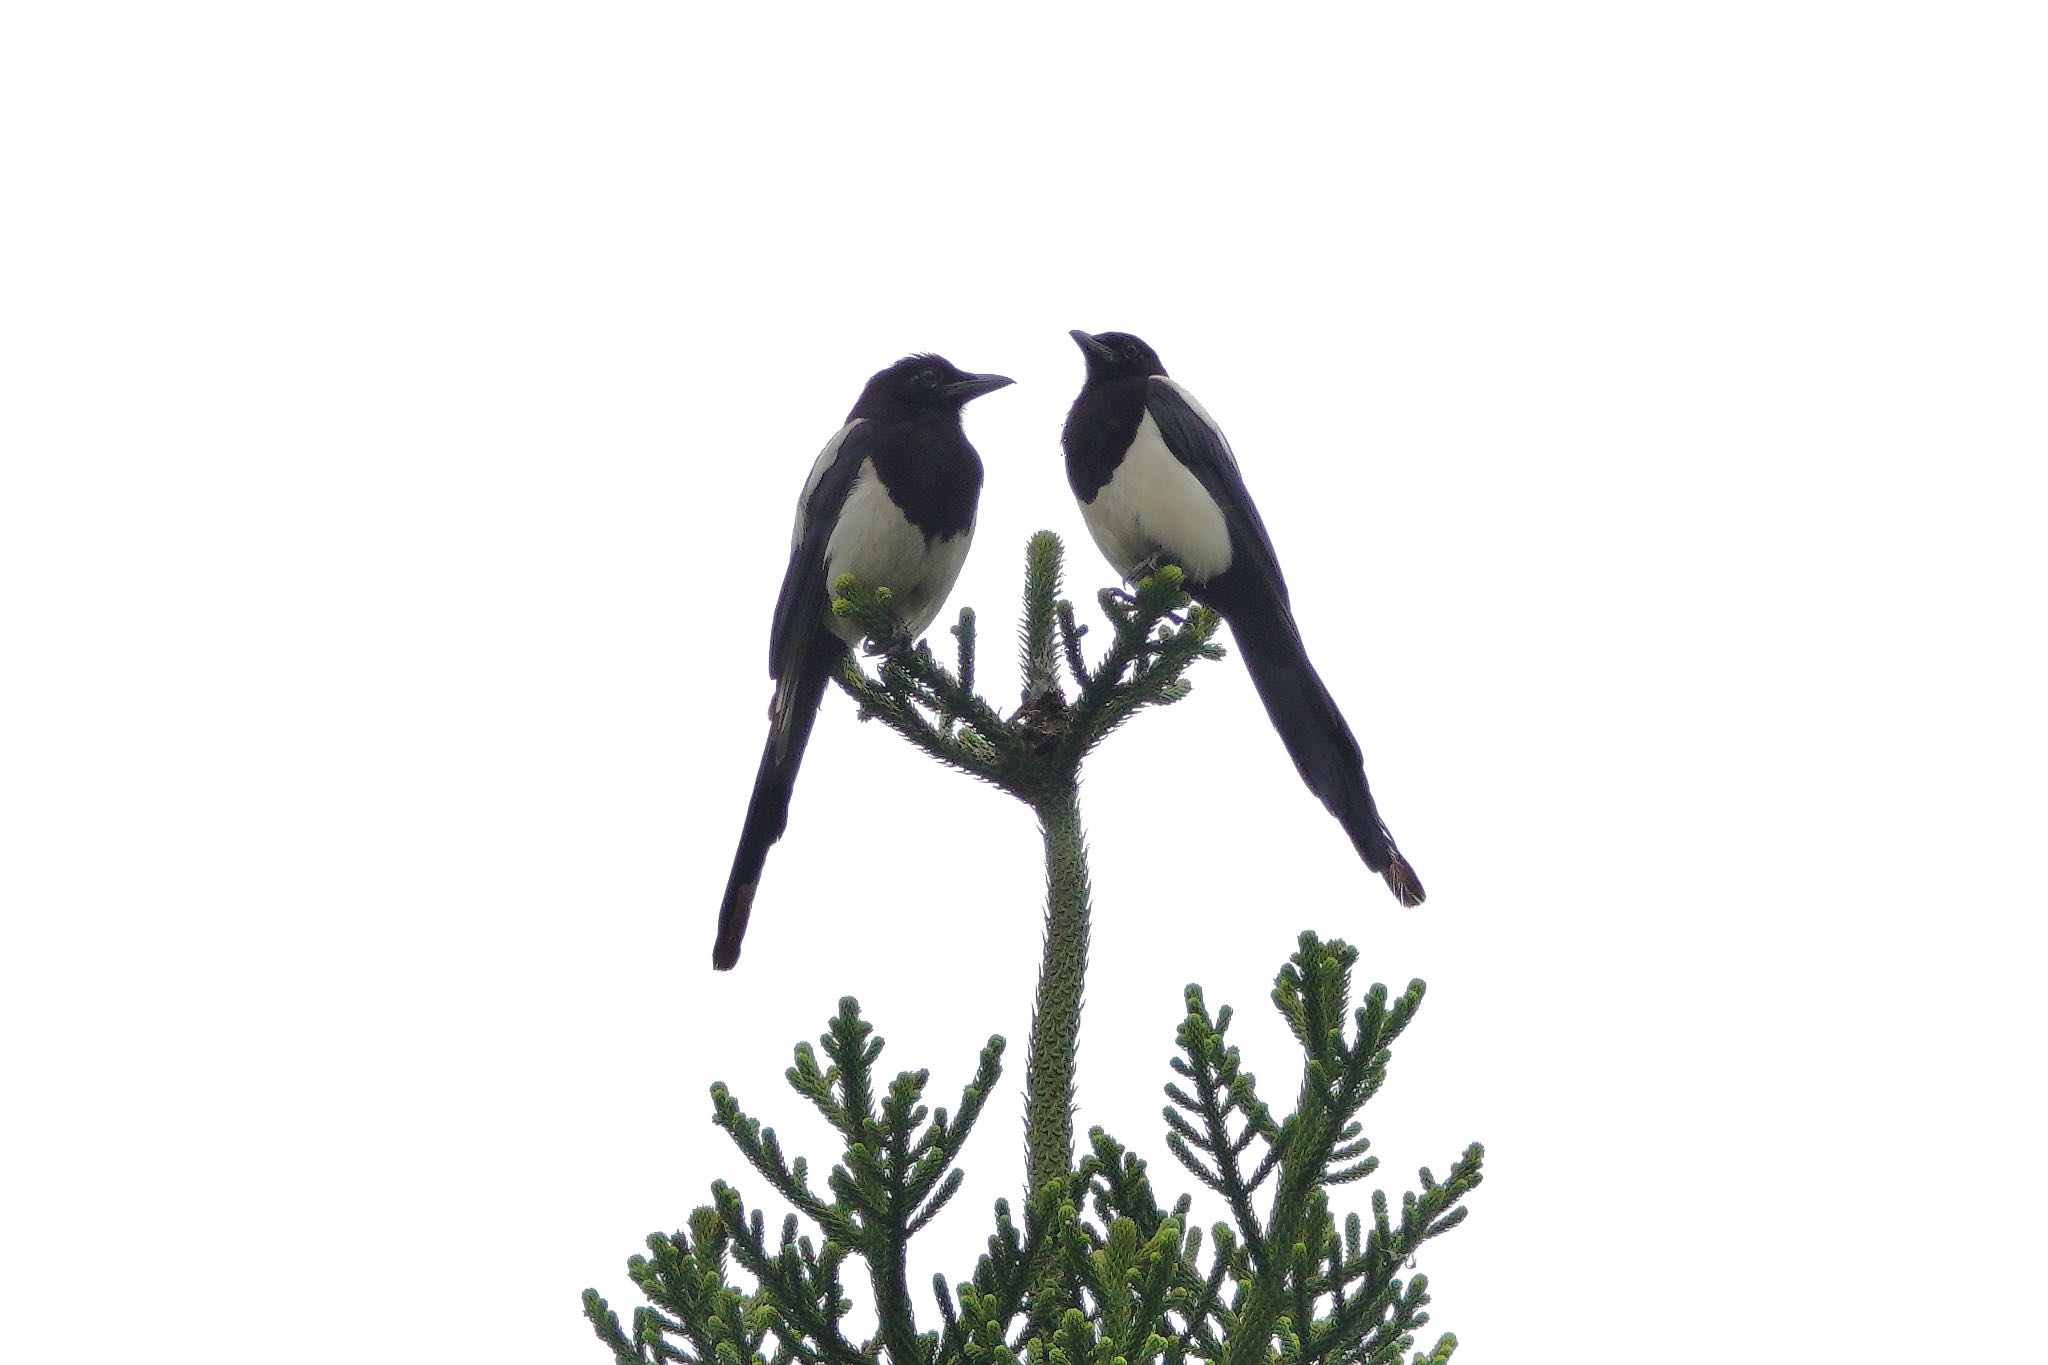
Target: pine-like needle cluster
{"type": "Point", "coordinates": [1091, 1269]}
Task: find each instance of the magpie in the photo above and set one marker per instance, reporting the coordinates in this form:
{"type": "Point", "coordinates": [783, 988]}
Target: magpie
{"type": "Point", "coordinates": [890, 500]}
{"type": "Point", "coordinates": [1157, 485]}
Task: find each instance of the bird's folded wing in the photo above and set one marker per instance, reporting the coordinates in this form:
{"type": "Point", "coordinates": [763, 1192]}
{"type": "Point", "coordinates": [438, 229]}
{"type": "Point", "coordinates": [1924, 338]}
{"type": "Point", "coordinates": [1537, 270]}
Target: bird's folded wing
{"type": "Point", "coordinates": [801, 605]}
{"type": "Point", "coordinates": [1197, 443]}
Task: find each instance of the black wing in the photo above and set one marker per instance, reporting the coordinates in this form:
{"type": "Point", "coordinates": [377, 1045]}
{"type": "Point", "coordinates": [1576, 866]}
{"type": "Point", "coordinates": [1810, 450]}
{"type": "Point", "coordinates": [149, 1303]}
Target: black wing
{"type": "Point", "coordinates": [805, 594]}
{"type": "Point", "coordinates": [1196, 443]}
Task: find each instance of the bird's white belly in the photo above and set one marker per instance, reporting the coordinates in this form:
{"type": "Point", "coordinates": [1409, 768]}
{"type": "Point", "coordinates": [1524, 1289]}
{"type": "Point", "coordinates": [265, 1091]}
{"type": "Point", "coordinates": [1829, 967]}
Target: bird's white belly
{"type": "Point", "coordinates": [1152, 507]}
{"type": "Point", "coordinates": [877, 544]}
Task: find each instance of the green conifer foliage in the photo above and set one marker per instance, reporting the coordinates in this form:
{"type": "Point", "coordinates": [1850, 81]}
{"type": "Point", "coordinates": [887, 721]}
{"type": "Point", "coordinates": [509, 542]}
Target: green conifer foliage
{"type": "Point", "coordinates": [1097, 1272]}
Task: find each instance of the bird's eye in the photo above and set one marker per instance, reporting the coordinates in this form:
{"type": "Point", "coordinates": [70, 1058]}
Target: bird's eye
{"type": "Point", "coordinates": [928, 379]}
{"type": "Point", "coordinates": [1130, 350]}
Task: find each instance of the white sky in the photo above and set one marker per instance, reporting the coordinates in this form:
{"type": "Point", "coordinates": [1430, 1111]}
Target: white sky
{"type": "Point", "coordinates": [403, 408]}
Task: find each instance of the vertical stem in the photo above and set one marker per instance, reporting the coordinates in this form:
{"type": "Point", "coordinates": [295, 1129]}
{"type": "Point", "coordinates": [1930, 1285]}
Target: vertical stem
{"type": "Point", "coordinates": [1040, 638]}
{"type": "Point", "coordinates": [892, 1299]}
{"type": "Point", "coordinates": [1056, 1025]}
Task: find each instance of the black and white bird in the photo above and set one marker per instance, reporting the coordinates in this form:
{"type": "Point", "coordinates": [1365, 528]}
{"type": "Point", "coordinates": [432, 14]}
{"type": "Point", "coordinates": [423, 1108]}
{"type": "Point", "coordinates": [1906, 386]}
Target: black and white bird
{"type": "Point", "coordinates": [891, 500]}
{"type": "Point", "coordinates": [1158, 485]}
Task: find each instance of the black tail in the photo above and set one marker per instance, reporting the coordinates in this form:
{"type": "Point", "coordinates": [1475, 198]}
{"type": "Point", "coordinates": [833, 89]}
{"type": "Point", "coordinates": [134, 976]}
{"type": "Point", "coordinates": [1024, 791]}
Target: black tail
{"type": "Point", "coordinates": [789, 730]}
{"type": "Point", "coordinates": [1313, 729]}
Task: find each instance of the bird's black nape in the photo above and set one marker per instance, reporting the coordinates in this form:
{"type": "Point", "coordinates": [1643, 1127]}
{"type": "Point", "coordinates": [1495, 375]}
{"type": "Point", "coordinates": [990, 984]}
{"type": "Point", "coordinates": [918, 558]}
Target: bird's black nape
{"type": "Point", "coordinates": [1117, 355]}
{"type": "Point", "coordinates": [923, 383]}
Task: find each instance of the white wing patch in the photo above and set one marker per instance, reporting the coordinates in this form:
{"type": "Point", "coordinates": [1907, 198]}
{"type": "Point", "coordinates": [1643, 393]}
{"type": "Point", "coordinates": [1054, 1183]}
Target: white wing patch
{"type": "Point", "coordinates": [1153, 506]}
{"type": "Point", "coordinates": [1201, 412]}
{"type": "Point", "coordinates": [876, 543]}
{"type": "Point", "coordinates": [818, 468]}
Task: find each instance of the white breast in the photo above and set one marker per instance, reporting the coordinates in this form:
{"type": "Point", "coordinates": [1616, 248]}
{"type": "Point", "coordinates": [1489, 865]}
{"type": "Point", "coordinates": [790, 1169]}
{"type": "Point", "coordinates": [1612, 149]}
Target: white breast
{"type": "Point", "coordinates": [1153, 507]}
{"type": "Point", "coordinates": [876, 543]}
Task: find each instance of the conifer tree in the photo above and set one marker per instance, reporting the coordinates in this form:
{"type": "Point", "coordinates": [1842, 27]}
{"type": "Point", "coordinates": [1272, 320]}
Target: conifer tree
{"type": "Point", "coordinates": [1090, 1269]}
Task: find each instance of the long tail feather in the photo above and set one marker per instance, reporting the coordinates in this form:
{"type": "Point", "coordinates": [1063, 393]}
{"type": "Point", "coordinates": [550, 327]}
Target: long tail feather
{"type": "Point", "coordinates": [1317, 739]}
{"type": "Point", "coordinates": [789, 732]}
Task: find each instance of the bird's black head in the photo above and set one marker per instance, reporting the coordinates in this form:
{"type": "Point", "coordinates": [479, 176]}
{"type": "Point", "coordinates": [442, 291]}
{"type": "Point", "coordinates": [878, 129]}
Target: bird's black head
{"type": "Point", "coordinates": [1117, 355]}
{"type": "Point", "coordinates": [923, 383]}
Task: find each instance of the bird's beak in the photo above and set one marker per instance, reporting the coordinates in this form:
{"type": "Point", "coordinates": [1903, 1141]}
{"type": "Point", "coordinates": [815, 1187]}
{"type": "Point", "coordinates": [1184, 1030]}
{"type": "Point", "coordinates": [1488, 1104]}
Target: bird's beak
{"type": "Point", "coordinates": [1090, 346]}
{"type": "Point", "coordinates": [975, 385]}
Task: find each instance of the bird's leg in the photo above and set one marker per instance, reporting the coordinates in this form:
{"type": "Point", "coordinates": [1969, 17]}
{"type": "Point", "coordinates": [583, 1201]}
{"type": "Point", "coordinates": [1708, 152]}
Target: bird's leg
{"type": "Point", "coordinates": [899, 640]}
{"type": "Point", "coordinates": [1147, 567]}
{"type": "Point", "coordinates": [1143, 569]}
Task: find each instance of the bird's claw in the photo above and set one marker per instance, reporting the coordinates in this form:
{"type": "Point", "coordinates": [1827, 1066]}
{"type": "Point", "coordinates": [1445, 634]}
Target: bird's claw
{"type": "Point", "coordinates": [898, 641]}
